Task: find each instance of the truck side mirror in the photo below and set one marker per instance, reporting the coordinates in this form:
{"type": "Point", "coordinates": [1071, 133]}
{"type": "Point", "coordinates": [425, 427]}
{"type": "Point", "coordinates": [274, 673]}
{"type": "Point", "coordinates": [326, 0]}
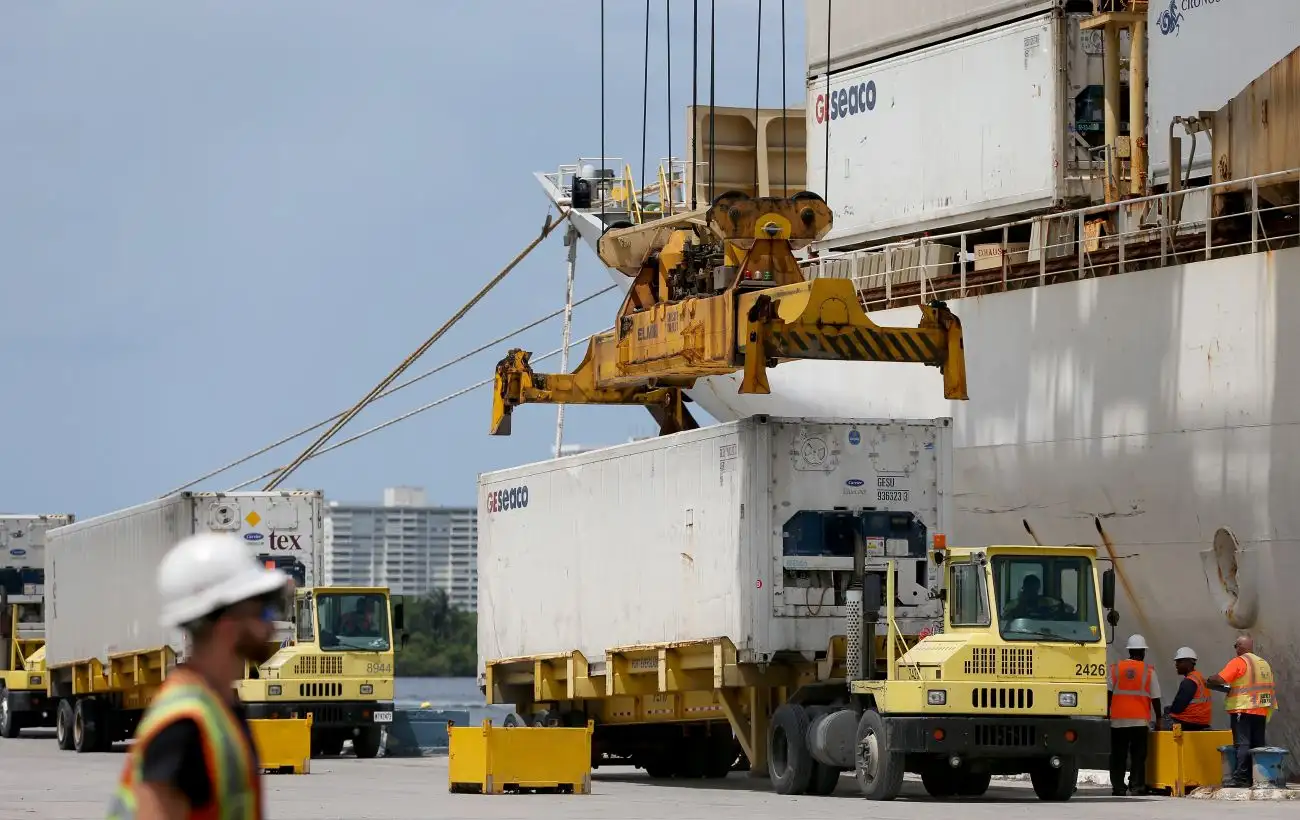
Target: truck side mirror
{"type": "Point", "coordinates": [399, 616]}
{"type": "Point", "coordinates": [1108, 590]}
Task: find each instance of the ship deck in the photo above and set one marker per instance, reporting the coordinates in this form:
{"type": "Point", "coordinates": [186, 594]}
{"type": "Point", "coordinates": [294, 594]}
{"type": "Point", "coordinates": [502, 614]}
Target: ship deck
{"type": "Point", "coordinates": [38, 781]}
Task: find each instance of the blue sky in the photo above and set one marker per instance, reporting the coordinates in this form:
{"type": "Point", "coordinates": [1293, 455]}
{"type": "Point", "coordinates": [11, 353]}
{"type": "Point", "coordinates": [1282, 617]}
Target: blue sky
{"type": "Point", "coordinates": [222, 222]}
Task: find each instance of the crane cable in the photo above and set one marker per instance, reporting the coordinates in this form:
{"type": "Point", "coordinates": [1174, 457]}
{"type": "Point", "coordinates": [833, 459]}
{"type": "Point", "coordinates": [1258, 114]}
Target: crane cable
{"type": "Point", "coordinates": [420, 351]}
{"type": "Point", "coordinates": [402, 386]}
{"type": "Point", "coordinates": [758, 82]}
{"type": "Point", "coordinates": [422, 408]}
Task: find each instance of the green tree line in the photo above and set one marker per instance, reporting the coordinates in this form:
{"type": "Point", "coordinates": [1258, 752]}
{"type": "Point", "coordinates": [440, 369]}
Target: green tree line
{"type": "Point", "coordinates": [444, 640]}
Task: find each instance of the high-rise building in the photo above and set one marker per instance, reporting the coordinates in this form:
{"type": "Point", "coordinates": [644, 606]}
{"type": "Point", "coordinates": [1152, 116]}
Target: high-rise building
{"type": "Point", "coordinates": [404, 544]}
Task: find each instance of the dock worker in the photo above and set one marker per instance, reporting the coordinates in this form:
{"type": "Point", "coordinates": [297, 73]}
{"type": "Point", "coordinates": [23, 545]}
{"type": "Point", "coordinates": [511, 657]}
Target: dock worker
{"type": "Point", "coordinates": [1248, 680]}
{"type": "Point", "coordinates": [194, 754]}
{"type": "Point", "coordinates": [1191, 706]}
{"type": "Point", "coordinates": [1132, 698]}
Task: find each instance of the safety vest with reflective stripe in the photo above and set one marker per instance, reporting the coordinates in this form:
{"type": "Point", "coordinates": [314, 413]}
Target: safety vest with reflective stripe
{"type": "Point", "coordinates": [231, 759]}
{"type": "Point", "coordinates": [1253, 690]}
{"type": "Point", "coordinates": [1131, 699]}
{"type": "Point", "coordinates": [1198, 711]}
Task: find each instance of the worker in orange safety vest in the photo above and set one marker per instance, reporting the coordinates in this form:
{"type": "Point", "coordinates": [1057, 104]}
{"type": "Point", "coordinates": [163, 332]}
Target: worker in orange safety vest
{"type": "Point", "coordinates": [1133, 700]}
{"type": "Point", "coordinates": [1191, 706]}
{"type": "Point", "coordinates": [1248, 680]}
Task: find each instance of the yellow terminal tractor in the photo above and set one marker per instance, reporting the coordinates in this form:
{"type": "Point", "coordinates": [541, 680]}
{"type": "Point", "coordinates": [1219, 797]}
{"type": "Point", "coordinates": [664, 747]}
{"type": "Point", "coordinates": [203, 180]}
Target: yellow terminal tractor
{"type": "Point", "coordinates": [713, 295]}
{"type": "Point", "coordinates": [1015, 683]}
{"type": "Point", "coordinates": [336, 663]}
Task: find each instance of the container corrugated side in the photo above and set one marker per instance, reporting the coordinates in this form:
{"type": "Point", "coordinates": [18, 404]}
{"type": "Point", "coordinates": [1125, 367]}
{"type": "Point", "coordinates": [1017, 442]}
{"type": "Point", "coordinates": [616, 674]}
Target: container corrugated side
{"type": "Point", "coordinates": [680, 538]}
{"type": "Point", "coordinates": [971, 129]}
{"type": "Point", "coordinates": [101, 593]}
{"type": "Point", "coordinates": [1201, 56]}
{"type": "Point", "coordinates": [863, 32]}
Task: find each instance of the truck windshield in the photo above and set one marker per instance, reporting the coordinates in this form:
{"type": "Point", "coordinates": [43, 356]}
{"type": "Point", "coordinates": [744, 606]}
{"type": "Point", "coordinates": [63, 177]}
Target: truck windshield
{"type": "Point", "coordinates": [1046, 598]}
{"type": "Point", "coordinates": [352, 621]}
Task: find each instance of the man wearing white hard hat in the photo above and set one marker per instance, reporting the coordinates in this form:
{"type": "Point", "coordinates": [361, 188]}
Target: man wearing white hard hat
{"type": "Point", "coordinates": [194, 754]}
{"type": "Point", "coordinates": [1191, 706]}
{"type": "Point", "coordinates": [1133, 698]}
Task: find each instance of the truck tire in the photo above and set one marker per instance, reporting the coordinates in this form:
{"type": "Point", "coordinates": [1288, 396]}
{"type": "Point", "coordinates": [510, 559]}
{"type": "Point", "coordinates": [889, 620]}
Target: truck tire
{"type": "Point", "coordinates": [722, 754]}
{"type": "Point", "coordinates": [1056, 785]}
{"type": "Point", "coordinates": [365, 743]}
{"type": "Point", "coordinates": [879, 770]}
{"type": "Point", "coordinates": [974, 785]}
{"type": "Point", "coordinates": [11, 723]}
{"type": "Point", "coordinates": [940, 780]}
{"type": "Point", "coordinates": [87, 727]}
{"type": "Point", "coordinates": [63, 720]}
{"type": "Point", "coordinates": [824, 779]}
{"type": "Point", "coordinates": [789, 762]}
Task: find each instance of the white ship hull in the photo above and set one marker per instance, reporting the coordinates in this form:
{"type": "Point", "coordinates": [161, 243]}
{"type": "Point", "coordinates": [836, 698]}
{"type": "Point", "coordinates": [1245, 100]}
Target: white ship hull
{"type": "Point", "coordinates": [1154, 403]}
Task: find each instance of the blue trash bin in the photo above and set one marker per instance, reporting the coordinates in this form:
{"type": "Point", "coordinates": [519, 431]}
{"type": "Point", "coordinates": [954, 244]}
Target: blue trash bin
{"type": "Point", "coordinates": [1228, 757]}
{"type": "Point", "coordinates": [1266, 767]}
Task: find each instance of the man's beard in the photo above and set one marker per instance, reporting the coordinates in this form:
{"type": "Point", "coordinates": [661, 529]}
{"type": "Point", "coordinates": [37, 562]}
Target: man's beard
{"type": "Point", "coordinates": [254, 651]}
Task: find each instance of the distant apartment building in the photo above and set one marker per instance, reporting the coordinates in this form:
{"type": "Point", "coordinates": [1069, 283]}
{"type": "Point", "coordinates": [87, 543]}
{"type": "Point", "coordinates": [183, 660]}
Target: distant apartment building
{"type": "Point", "coordinates": [404, 544]}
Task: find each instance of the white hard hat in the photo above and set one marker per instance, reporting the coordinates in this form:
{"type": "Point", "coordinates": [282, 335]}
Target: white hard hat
{"type": "Point", "coordinates": [1185, 653]}
{"type": "Point", "coordinates": [208, 571]}
{"type": "Point", "coordinates": [1137, 642]}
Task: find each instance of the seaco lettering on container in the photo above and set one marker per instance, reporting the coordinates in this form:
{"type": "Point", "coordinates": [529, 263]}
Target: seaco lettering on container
{"type": "Point", "coordinates": [845, 102]}
{"type": "Point", "coordinates": [512, 499]}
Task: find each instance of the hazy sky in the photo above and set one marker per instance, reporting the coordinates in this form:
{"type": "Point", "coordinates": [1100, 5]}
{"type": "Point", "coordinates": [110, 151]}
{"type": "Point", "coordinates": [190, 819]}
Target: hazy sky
{"type": "Point", "coordinates": [223, 222]}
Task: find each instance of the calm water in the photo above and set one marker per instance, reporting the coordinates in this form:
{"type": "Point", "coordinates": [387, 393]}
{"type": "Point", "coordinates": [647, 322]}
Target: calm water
{"type": "Point", "coordinates": [447, 693]}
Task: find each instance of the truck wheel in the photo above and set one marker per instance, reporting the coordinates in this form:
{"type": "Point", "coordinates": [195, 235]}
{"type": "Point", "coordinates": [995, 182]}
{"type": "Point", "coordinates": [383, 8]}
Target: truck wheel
{"type": "Point", "coordinates": [11, 723]}
{"type": "Point", "coordinates": [940, 780]}
{"type": "Point", "coordinates": [1055, 784]}
{"type": "Point", "coordinates": [63, 720]}
{"type": "Point", "coordinates": [86, 727]}
{"type": "Point", "coordinates": [824, 779]}
{"type": "Point", "coordinates": [974, 785]}
{"type": "Point", "coordinates": [722, 753]}
{"type": "Point", "coordinates": [879, 770]}
{"type": "Point", "coordinates": [789, 762]}
{"type": "Point", "coordinates": [366, 742]}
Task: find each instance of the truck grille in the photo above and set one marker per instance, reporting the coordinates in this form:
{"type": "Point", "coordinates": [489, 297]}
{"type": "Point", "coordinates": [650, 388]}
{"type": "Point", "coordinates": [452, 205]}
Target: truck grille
{"type": "Point", "coordinates": [320, 690]}
{"type": "Point", "coordinates": [318, 665]}
{"type": "Point", "coordinates": [1002, 697]}
{"type": "Point", "coordinates": [982, 662]}
{"type": "Point", "coordinates": [1018, 662]}
{"type": "Point", "coordinates": [1005, 735]}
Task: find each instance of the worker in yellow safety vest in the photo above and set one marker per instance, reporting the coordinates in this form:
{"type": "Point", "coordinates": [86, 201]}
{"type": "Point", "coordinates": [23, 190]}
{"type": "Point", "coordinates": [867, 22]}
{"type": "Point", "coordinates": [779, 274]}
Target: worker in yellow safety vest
{"type": "Point", "coordinates": [194, 755]}
{"type": "Point", "coordinates": [1133, 698]}
{"type": "Point", "coordinates": [1248, 680]}
{"type": "Point", "coordinates": [1191, 706]}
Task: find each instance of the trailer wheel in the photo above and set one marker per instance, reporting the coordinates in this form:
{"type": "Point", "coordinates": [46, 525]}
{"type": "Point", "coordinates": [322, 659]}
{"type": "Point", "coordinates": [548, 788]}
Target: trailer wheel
{"type": "Point", "coordinates": [824, 779]}
{"type": "Point", "coordinates": [365, 743]}
{"type": "Point", "coordinates": [1055, 784]}
{"type": "Point", "coordinates": [63, 720]}
{"type": "Point", "coordinates": [789, 762]}
{"type": "Point", "coordinates": [974, 785]}
{"type": "Point", "coordinates": [87, 727]}
{"type": "Point", "coordinates": [721, 754]}
{"type": "Point", "coordinates": [940, 780]}
{"type": "Point", "coordinates": [879, 770]}
{"type": "Point", "coordinates": [11, 723]}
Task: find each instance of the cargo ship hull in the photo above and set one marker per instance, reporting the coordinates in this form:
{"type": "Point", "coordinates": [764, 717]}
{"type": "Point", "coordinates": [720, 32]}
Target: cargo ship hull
{"type": "Point", "coordinates": [1153, 413]}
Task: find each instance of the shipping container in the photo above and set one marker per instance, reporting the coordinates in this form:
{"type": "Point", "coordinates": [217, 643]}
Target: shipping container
{"type": "Point", "coordinates": [862, 32]}
{"type": "Point", "coordinates": [1000, 124]}
{"type": "Point", "coordinates": [101, 588]}
{"type": "Point", "coordinates": [22, 550]}
{"type": "Point", "coordinates": [1203, 53]}
{"type": "Point", "coordinates": [1258, 132]}
{"type": "Point", "coordinates": [727, 530]}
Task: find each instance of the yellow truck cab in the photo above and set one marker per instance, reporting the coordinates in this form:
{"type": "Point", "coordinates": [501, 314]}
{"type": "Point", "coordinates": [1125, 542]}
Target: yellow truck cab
{"type": "Point", "coordinates": [1014, 683]}
{"type": "Point", "coordinates": [23, 702]}
{"type": "Point", "coordinates": [336, 664]}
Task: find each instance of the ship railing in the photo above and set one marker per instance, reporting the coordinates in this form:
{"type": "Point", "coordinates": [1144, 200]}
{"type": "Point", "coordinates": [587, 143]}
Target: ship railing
{"type": "Point", "coordinates": [614, 186]}
{"type": "Point", "coordinates": [1208, 222]}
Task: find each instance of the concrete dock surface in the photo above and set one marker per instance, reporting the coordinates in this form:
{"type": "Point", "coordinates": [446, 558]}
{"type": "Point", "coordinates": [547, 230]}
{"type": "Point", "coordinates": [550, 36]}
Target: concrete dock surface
{"type": "Point", "coordinates": [39, 781]}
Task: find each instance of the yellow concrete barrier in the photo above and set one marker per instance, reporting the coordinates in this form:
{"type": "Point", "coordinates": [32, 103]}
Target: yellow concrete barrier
{"type": "Point", "coordinates": [283, 744]}
{"type": "Point", "coordinates": [495, 760]}
{"type": "Point", "coordinates": [1179, 761]}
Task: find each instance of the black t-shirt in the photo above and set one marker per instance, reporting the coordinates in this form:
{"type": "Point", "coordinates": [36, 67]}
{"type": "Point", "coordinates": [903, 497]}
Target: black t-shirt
{"type": "Point", "coordinates": [175, 757]}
